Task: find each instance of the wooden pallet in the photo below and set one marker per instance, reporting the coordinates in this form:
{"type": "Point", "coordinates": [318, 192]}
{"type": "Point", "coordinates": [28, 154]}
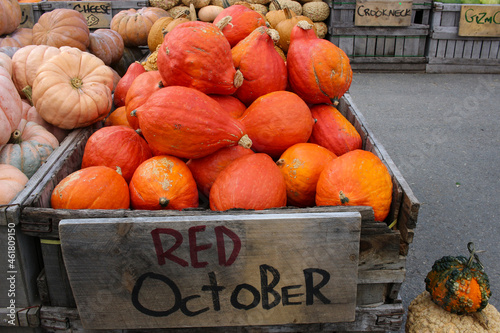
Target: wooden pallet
{"type": "Point", "coordinates": [450, 53]}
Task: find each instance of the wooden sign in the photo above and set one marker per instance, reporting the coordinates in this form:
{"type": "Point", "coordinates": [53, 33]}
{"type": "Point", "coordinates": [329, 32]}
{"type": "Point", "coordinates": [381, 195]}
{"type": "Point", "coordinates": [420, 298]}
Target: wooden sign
{"type": "Point", "coordinates": [479, 21]}
{"type": "Point", "coordinates": [213, 270]}
{"type": "Point", "coordinates": [383, 13]}
{"type": "Point", "coordinates": [27, 15]}
{"type": "Point", "coordinates": [97, 13]}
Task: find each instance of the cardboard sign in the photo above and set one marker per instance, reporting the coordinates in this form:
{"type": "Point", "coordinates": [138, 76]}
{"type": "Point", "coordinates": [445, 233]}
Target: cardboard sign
{"type": "Point", "coordinates": [383, 13]}
{"type": "Point", "coordinates": [27, 15]}
{"type": "Point", "coordinates": [213, 270]}
{"type": "Point", "coordinates": [97, 13]}
{"type": "Point", "coordinates": [479, 21]}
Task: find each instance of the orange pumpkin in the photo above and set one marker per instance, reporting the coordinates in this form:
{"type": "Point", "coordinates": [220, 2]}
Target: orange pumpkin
{"type": "Point", "coordinates": [250, 182]}
{"type": "Point", "coordinates": [263, 69]}
{"type": "Point", "coordinates": [206, 169]}
{"type": "Point", "coordinates": [186, 123]}
{"type": "Point", "coordinates": [118, 117]}
{"type": "Point", "coordinates": [277, 14]}
{"type": "Point", "coordinates": [357, 178]}
{"type": "Point", "coordinates": [10, 106]}
{"type": "Point", "coordinates": [143, 86]}
{"type": "Point", "coordinates": [238, 21]}
{"type": "Point", "coordinates": [117, 147]}
{"type": "Point", "coordinates": [233, 106]}
{"type": "Point", "coordinates": [157, 32]}
{"type": "Point", "coordinates": [133, 71]}
{"type": "Point", "coordinates": [134, 24]}
{"type": "Point", "coordinates": [18, 38]}
{"type": "Point", "coordinates": [107, 45]}
{"type": "Point", "coordinates": [277, 121]}
{"type": "Point", "coordinates": [197, 55]}
{"type": "Point", "coordinates": [96, 187]}
{"type": "Point", "coordinates": [163, 182]}
{"type": "Point", "coordinates": [10, 16]}
{"type": "Point", "coordinates": [301, 165]}
{"type": "Point", "coordinates": [333, 131]}
{"type": "Point", "coordinates": [12, 181]}
{"type": "Point", "coordinates": [285, 28]}
{"type": "Point", "coordinates": [318, 71]}
{"type": "Point", "coordinates": [62, 27]}
{"type": "Point", "coordinates": [73, 89]}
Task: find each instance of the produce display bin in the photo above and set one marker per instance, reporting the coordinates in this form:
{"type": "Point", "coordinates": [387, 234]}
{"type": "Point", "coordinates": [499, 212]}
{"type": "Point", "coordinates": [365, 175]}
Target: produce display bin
{"type": "Point", "coordinates": [450, 53]}
{"type": "Point", "coordinates": [381, 261]}
{"type": "Point", "coordinates": [381, 49]}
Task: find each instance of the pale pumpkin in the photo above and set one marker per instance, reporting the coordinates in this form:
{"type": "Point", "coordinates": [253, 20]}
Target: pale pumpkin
{"type": "Point", "coordinates": [62, 27]}
{"type": "Point", "coordinates": [28, 148]}
{"type": "Point", "coordinates": [10, 106]}
{"type": "Point", "coordinates": [10, 16]}
{"type": "Point", "coordinates": [6, 62]}
{"type": "Point", "coordinates": [12, 181]}
{"type": "Point", "coordinates": [73, 89]}
{"type": "Point", "coordinates": [19, 38]}
{"type": "Point", "coordinates": [107, 45]}
{"type": "Point", "coordinates": [30, 113]}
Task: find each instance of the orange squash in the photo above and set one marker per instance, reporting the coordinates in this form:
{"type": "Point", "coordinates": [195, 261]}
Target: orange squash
{"type": "Point", "coordinates": [277, 121]}
{"type": "Point", "coordinates": [301, 165]}
{"type": "Point", "coordinates": [134, 70]}
{"type": "Point", "coordinates": [357, 178]}
{"type": "Point", "coordinates": [96, 187]}
{"type": "Point", "coordinates": [163, 182]}
{"type": "Point", "coordinates": [233, 106]}
{"type": "Point", "coordinates": [250, 182]}
{"type": "Point", "coordinates": [318, 71]}
{"type": "Point", "coordinates": [206, 169]}
{"type": "Point", "coordinates": [118, 117]}
{"type": "Point", "coordinates": [117, 147]}
{"type": "Point", "coordinates": [186, 123]}
{"type": "Point", "coordinates": [333, 131]}
{"type": "Point", "coordinates": [197, 55]}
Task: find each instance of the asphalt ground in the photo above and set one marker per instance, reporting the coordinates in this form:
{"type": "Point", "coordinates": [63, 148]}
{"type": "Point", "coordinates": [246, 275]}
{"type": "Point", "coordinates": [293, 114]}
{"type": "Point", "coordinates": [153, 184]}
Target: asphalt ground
{"type": "Point", "coordinates": [442, 132]}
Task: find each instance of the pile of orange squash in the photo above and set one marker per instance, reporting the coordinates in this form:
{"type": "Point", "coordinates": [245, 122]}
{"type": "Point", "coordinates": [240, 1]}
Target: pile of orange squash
{"type": "Point", "coordinates": [229, 114]}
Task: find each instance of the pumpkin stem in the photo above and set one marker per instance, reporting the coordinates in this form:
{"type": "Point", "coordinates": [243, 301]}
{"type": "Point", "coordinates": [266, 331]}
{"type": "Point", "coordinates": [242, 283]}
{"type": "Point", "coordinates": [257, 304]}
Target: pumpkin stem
{"type": "Point", "coordinates": [335, 101]}
{"type": "Point", "coordinates": [276, 4]}
{"type": "Point", "coordinates": [245, 141]}
{"type": "Point", "coordinates": [28, 92]}
{"type": "Point", "coordinates": [238, 79]}
{"type": "Point", "coordinates": [76, 82]}
{"type": "Point", "coordinates": [134, 113]}
{"type": "Point", "coordinates": [15, 137]}
{"type": "Point", "coordinates": [343, 198]}
{"type": "Point", "coordinates": [164, 202]}
{"type": "Point", "coordinates": [223, 22]}
{"type": "Point", "coordinates": [274, 34]}
{"type": "Point", "coordinates": [225, 3]}
{"type": "Point", "coordinates": [280, 162]}
{"type": "Point", "coordinates": [288, 12]}
{"type": "Point", "coordinates": [192, 12]}
{"type": "Point", "coordinates": [304, 25]}
{"type": "Point", "coordinates": [473, 255]}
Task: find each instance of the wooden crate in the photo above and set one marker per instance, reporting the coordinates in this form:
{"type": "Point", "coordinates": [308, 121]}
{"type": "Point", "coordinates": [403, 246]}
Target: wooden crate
{"type": "Point", "coordinates": [450, 53]}
{"type": "Point", "coordinates": [381, 49]}
{"type": "Point", "coordinates": [382, 256]}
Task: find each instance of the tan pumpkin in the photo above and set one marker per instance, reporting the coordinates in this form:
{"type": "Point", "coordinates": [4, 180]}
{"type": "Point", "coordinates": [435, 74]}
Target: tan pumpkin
{"type": "Point", "coordinates": [107, 45]}
{"type": "Point", "coordinates": [10, 106]}
{"type": "Point", "coordinates": [26, 62]}
{"type": "Point", "coordinates": [156, 34]}
{"type": "Point", "coordinates": [29, 147]}
{"type": "Point", "coordinates": [10, 16]}
{"type": "Point", "coordinates": [12, 181]}
{"type": "Point", "coordinates": [285, 27]}
{"type": "Point", "coordinates": [19, 38]}
{"type": "Point", "coordinates": [209, 13]}
{"type": "Point", "coordinates": [276, 14]}
{"type": "Point", "coordinates": [134, 25]}
{"type": "Point", "coordinates": [62, 27]}
{"type": "Point", "coordinates": [73, 89]}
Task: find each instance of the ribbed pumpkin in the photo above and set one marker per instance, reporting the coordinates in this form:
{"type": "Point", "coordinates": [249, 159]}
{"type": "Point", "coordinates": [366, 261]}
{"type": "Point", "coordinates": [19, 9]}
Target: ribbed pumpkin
{"type": "Point", "coordinates": [26, 62]}
{"type": "Point", "coordinates": [333, 131]}
{"type": "Point", "coordinates": [18, 38]}
{"type": "Point", "coordinates": [263, 69]}
{"type": "Point", "coordinates": [134, 70]}
{"type": "Point", "coordinates": [134, 24]}
{"type": "Point", "coordinates": [318, 71]}
{"type": "Point", "coordinates": [117, 117]}
{"type": "Point", "coordinates": [29, 147]}
{"type": "Point", "coordinates": [62, 27]}
{"type": "Point", "coordinates": [186, 123]}
{"type": "Point", "coordinates": [12, 181]}
{"type": "Point", "coordinates": [6, 62]}
{"type": "Point", "coordinates": [10, 106]}
{"type": "Point", "coordinates": [163, 182]}
{"type": "Point", "coordinates": [10, 16]}
{"type": "Point", "coordinates": [156, 33]}
{"type": "Point", "coordinates": [238, 21]}
{"type": "Point", "coordinates": [301, 165]}
{"type": "Point", "coordinates": [357, 178]}
{"type": "Point", "coordinates": [250, 182]}
{"type": "Point", "coordinates": [285, 28]}
{"type": "Point", "coordinates": [459, 284]}
{"type": "Point", "coordinates": [143, 86]}
{"type": "Point", "coordinates": [206, 169]}
{"type": "Point", "coordinates": [197, 55]}
{"type": "Point", "coordinates": [277, 121]}
{"type": "Point", "coordinates": [107, 45]}
{"type": "Point", "coordinates": [96, 187]}
{"type": "Point", "coordinates": [233, 106]}
{"type": "Point", "coordinates": [117, 147]}
{"type": "Point", "coordinates": [29, 113]}
{"type": "Point", "coordinates": [73, 89]}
